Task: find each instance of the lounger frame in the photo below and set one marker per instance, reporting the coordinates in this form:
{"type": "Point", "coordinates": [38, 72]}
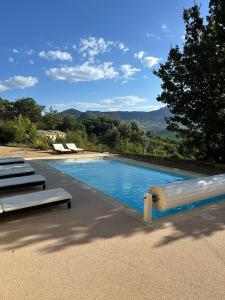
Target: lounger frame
{"type": "Point", "coordinates": [62, 150]}
{"type": "Point", "coordinates": [64, 201]}
{"type": "Point", "coordinates": [41, 182]}
{"type": "Point", "coordinates": [11, 162]}
{"type": "Point", "coordinates": [17, 175]}
{"type": "Point", "coordinates": [74, 149]}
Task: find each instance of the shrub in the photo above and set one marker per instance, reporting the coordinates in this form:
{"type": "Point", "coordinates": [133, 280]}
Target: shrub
{"type": "Point", "coordinates": [78, 137]}
{"type": "Point", "coordinates": [41, 143]}
{"type": "Point", "coordinates": [7, 132]}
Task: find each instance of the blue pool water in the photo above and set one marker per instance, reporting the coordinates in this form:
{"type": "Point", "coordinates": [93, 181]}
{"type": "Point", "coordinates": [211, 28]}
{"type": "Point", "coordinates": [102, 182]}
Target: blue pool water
{"type": "Point", "coordinates": [123, 181]}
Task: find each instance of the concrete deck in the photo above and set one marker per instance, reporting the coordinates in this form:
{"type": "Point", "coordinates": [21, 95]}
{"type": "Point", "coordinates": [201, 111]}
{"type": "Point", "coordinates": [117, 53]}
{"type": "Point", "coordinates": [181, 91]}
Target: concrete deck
{"type": "Point", "coordinates": [95, 251]}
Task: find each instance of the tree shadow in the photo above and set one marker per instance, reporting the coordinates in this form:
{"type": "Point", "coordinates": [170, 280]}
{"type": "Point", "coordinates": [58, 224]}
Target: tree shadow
{"type": "Point", "coordinates": [60, 228]}
{"type": "Point", "coordinates": [92, 218]}
{"type": "Point", "coordinates": [56, 229]}
{"type": "Point", "coordinates": [208, 221]}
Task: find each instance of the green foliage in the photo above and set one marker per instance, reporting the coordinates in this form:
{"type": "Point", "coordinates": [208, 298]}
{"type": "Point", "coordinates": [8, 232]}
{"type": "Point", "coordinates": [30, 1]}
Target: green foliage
{"type": "Point", "coordinates": [7, 132]}
{"type": "Point", "coordinates": [28, 107]}
{"type": "Point", "coordinates": [6, 109]}
{"type": "Point", "coordinates": [98, 134]}
{"type": "Point", "coordinates": [21, 131]}
{"type": "Point", "coordinates": [148, 120]}
{"type": "Point", "coordinates": [41, 143]}
{"type": "Point", "coordinates": [51, 119]}
{"type": "Point", "coordinates": [26, 131]}
{"type": "Point", "coordinates": [77, 137]}
{"type": "Point", "coordinates": [68, 123]}
{"type": "Point", "coordinates": [193, 83]}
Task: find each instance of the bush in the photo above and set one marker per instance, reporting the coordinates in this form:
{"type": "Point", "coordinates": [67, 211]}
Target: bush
{"type": "Point", "coordinates": [78, 137]}
{"type": "Point", "coordinates": [26, 131]}
{"type": "Point", "coordinates": [41, 143]}
{"type": "Point", "coordinates": [7, 132]}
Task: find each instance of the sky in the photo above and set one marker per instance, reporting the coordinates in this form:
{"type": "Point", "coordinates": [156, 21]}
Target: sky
{"type": "Point", "coordinates": [88, 54]}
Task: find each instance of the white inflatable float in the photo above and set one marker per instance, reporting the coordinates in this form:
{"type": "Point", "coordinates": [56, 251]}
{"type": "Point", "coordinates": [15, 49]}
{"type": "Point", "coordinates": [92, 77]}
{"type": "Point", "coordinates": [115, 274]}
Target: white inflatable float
{"type": "Point", "coordinates": [176, 194]}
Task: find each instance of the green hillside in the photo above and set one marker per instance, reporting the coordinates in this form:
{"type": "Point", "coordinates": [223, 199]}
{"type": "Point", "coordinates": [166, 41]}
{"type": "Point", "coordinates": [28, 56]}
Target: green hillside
{"type": "Point", "coordinates": [152, 120]}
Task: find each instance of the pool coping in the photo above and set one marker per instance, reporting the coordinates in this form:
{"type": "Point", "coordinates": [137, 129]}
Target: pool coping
{"type": "Point", "coordinates": [175, 171]}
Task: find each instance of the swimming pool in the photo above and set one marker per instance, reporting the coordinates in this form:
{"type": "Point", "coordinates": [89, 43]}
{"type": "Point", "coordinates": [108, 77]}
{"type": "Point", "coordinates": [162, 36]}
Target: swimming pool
{"type": "Point", "coordinates": [126, 182]}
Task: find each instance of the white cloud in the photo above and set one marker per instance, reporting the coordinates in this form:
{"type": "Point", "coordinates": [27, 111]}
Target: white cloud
{"type": "Point", "coordinates": [30, 52]}
{"type": "Point", "coordinates": [150, 61]}
{"type": "Point", "coordinates": [80, 105]}
{"type": "Point", "coordinates": [147, 61]}
{"type": "Point", "coordinates": [139, 55]}
{"type": "Point", "coordinates": [128, 71]}
{"type": "Point", "coordinates": [170, 35]}
{"type": "Point", "coordinates": [31, 61]}
{"type": "Point", "coordinates": [11, 59]}
{"type": "Point", "coordinates": [84, 72]}
{"type": "Point", "coordinates": [167, 31]}
{"type": "Point", "coordinates": [153, 36]}
{"type": "Point", "coordinates": [18, 82]}
{"type": "Point", "coordinates": [14, 50]}
{"type": "Point", "coordinates": [92, 47]}
{"type": "Point", "coordinates": [120, 101]}
{"type": "Point", "coordinates": [183, 36]}
{"type": "Point", "coordinates": [57, 54]}
{"type": "Point", "coordinates": [124, 103]}
{"type": "Point", "coordinates": [164, 27]}
{"type": "Point", "coordinates": [122, 47]}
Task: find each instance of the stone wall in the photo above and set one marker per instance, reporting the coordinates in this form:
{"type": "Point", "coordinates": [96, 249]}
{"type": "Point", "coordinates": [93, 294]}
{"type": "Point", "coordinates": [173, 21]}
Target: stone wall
{"type": "Point", "coordinates": [189, 165]}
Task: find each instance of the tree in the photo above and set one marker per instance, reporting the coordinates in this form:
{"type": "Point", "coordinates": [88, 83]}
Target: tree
{"type": "Point", "coordinates": [193, 82]}
{"type": "Point", "coordinates": [6, 109]}
{"type": "Point", "coordinates": [51, 119]}
{"type": "Point", "coordinates": [69, 123]}
{"type": "Point", "coordinates": [28, 107]}
{"type": "Point", "coordinates": [7, 132]}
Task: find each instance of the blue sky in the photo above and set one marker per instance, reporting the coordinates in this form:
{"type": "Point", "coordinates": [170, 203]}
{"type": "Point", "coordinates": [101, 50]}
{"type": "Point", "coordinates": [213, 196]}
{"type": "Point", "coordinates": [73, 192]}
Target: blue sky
{"type": "Point", "coordinates": [88, 54]}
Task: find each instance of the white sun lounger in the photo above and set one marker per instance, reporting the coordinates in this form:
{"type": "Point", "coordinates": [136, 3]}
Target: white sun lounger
{"type": "Point", "coordinates": [53, 196]}
{"type": "Point", "coordinates": [23, 181]}
{"type": "Point", "coordinates": [16, 172]}
{"type": "Point", "coordinates": [73, 147]}
{"type": "Point", "coordinates": [59, 148]}
{"type": "Point", "coordinates": [4, 160]}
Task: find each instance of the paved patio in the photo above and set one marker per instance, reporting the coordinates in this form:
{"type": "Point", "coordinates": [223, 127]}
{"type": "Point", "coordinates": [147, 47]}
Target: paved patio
{"type": "Point", "coordinates": [95, 251]}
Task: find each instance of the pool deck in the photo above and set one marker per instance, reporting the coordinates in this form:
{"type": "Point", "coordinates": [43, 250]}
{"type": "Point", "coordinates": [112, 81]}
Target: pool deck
{"type": "Point", "coordinates": [96, 251]}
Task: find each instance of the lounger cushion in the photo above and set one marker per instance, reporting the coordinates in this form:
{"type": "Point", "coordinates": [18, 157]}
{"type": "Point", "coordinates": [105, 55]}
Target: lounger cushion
{"type": "Point", "coordinates": [16, 171]}
{"type": "Point", "coordinates": [11, 156]}
{"type": "Point", "coordinates": [12, 166]}
{"type": "Point", "coordinates": [34, 199]}
{"type": "Point", "coordinates": [60, 148]}
{"type": "Point", "coordinates": [73, 147]}
{"type": "Point", "coordinates": [11, 159]}
{"type": "Point", "coordinates": [21, 180]}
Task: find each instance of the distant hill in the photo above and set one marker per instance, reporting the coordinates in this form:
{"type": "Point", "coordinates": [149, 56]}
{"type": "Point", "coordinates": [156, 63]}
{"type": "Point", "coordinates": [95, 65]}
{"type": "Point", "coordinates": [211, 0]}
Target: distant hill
{"type": "Point", "coordinates": [151, 120]}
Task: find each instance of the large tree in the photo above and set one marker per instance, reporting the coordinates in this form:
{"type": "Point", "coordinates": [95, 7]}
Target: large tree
{"type": "Point", "coordinates": [51, 119]}
{"type": "Point", "coordinates": [29, 108]}
{"type": "Point", "coordinates": [193, 82]}
{"type": "Point", "coordinates": [6, 109]}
